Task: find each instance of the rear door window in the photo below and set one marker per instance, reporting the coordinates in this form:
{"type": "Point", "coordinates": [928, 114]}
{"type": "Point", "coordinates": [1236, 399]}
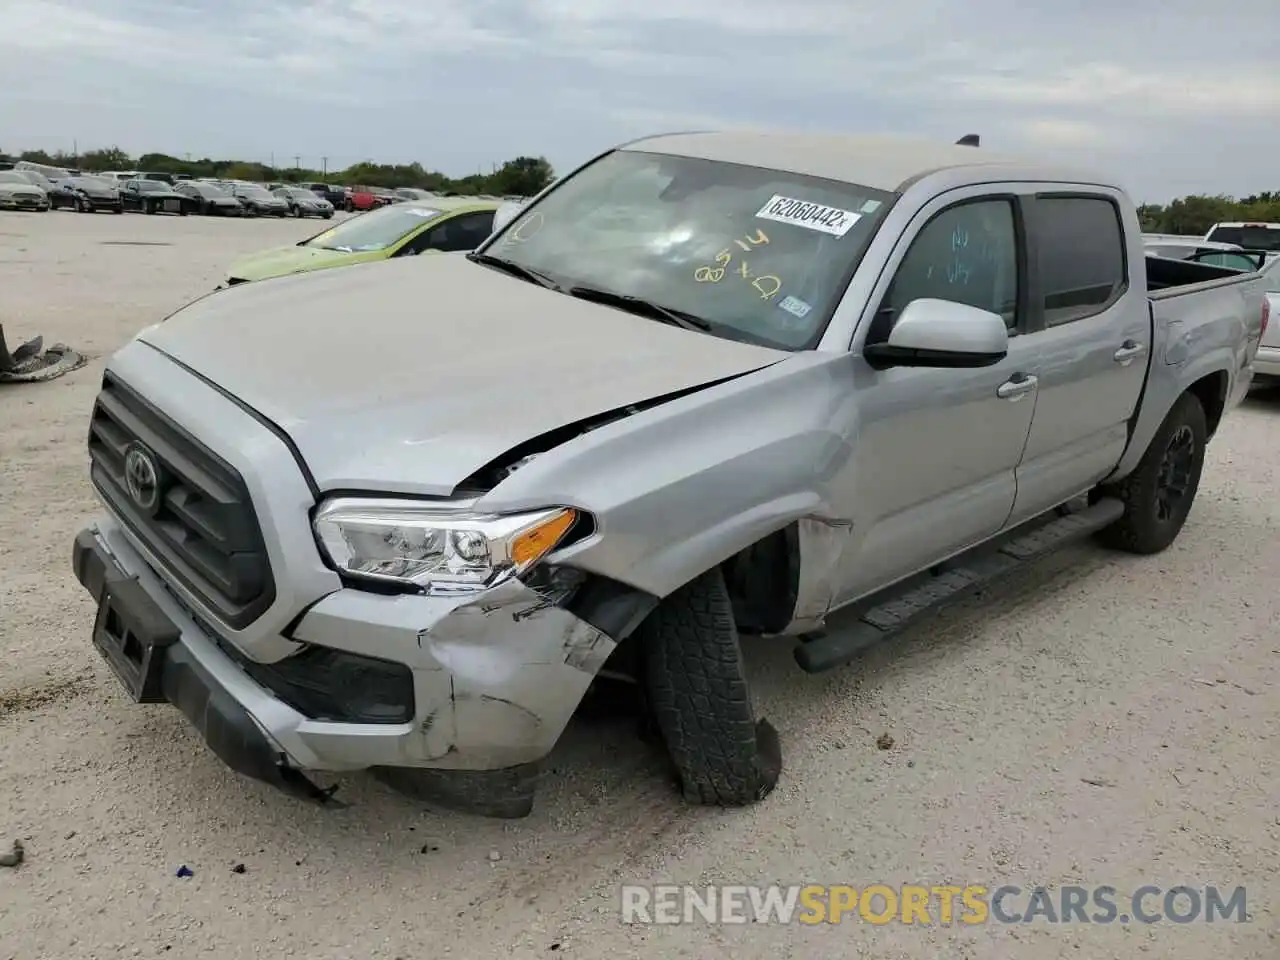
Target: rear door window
{"type": "Point", "coordinates": [1082, 259]}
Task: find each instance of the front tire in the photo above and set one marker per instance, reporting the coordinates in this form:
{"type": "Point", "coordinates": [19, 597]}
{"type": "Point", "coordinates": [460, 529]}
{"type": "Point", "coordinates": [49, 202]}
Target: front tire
{"type": "Point", "coordinates": [701, 703]}
{"type": "Point", "coordinates": [1159, 493]}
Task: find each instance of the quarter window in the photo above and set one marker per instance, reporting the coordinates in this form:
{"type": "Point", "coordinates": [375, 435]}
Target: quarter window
{"type": "Point", "coordinates": [966, 254]}
{"type": "Point", "coordinates": [1083, 267]}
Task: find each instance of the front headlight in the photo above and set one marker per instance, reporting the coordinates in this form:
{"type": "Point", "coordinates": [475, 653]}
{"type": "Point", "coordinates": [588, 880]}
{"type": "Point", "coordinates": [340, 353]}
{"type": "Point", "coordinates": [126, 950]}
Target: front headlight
{"type": "Point", "coordinates": [433, 549]}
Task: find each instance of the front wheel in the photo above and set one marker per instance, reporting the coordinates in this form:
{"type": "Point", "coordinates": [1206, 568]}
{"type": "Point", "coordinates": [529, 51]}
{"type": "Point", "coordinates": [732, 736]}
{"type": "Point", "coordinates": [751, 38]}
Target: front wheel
{"type": "Point", "coordinates": [1159, 493]}
{"type": "Point", "coordinates": [697, 688]}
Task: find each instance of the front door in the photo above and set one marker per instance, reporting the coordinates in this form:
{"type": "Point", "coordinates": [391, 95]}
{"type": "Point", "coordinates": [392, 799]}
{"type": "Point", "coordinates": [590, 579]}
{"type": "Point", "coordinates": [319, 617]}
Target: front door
{"type": "Point", "coordinates": [1092, 334]}
{"type": "Point", "coordinates": [936, 450]}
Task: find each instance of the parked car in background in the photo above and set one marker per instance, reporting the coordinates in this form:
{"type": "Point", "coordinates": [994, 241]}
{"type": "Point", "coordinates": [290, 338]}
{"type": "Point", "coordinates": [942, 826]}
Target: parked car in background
{"type": "Point", "coordinates": [304, 203]}
{"type": "Point", "coordinates": [35, 178]}
{"type": "Point", "coordinates": [19, 193]}
{"type": "Point", "coordinates": [414, 194]}
{"type": "Point", "coordinates": [384, 196]}
{"type": "Point", "coordinates": [87, 194]}
{"type": "Point", "coordinates": [209, 199]}
{"type": "Point", "coordinates": [336, 194]}
{"type": "Point", "coordinates": [358, 198]}
{"type": "Point", "coordinates": [1254, 237]}
{"type": "Point", "coordinates": [45, 170]}
{"type": "Point", "coordinates": [153, 196]}
{"type": "Point", "coordinates": [257, 200]}
{"type": "Point", "coordinates": [162, 177]}
{"type": "Point", "coordinates": [120, 175]}
{"type": "Point", "coordinates": [400, 230]}
{"type": "Point", "coordinates": [1266, 366]}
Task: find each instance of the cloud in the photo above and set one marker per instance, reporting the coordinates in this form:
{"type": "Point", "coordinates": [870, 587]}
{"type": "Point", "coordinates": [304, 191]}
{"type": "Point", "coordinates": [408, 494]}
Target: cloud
{"type": "Point", "coordinates": [1142, 91]}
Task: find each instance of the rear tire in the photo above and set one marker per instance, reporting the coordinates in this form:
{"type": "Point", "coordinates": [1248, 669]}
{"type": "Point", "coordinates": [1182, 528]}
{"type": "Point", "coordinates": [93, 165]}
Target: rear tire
{"type": "Point", "coordinates": [1159, 493]}
{"type": "Point", "coordinates": [701, 703]}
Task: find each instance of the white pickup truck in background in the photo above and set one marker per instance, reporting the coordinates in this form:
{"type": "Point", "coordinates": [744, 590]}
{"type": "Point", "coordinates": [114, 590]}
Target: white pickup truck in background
{"type": "Point", "coordinates": [1266, 365]}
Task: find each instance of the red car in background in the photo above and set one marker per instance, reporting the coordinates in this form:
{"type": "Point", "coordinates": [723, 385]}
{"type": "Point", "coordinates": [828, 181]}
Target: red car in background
{"type": "Point", "coordinates": [361, 199]}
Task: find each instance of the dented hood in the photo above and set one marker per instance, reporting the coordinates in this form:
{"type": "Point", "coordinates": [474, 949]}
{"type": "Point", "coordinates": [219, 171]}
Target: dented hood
{"type": "Point", "coordinates": [412, 374]}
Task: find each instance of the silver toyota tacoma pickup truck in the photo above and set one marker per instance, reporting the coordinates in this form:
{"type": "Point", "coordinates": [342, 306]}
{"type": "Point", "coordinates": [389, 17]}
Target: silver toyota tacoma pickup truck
{"type": "Point", "coordinates": [402, 517]}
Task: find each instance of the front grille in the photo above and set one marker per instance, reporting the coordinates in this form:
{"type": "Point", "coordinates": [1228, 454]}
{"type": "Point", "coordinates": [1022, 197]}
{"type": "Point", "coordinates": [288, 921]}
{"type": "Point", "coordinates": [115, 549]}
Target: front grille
{"type": "Point", "coordinates": [202, 527]}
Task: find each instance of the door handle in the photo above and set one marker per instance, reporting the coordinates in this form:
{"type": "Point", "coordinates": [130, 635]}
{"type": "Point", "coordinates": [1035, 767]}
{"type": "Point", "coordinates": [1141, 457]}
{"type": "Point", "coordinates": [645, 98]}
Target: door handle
{"type": "Point", "coordinates": [1127, 351]}
{"type": "Point", "coordinates": [1016, 387]}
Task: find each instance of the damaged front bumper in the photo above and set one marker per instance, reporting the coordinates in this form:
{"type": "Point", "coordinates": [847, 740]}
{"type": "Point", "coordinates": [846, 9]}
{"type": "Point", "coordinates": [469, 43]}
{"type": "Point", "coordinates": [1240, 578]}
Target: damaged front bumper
{"type": "Point", "coordinates": [496, 675]}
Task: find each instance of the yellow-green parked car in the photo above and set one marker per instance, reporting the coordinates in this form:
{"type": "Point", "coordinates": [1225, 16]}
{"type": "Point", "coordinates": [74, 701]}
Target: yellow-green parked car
{"type": "Point", "coordinates": [398, 230]}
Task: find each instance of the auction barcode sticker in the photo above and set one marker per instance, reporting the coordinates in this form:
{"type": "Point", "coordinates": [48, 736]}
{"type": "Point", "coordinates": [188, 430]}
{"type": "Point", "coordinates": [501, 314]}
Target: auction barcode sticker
{"type": "Point", "coordinates": [812, 216]}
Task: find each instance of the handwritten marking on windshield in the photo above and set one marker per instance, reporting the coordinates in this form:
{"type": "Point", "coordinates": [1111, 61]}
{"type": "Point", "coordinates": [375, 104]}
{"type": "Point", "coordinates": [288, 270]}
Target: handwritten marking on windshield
{"type": "Point", "coordinates": [759, 238]}
{"type": "Point", "coordinates": [767, 294]}
{"type": "Point", "coordinates": [710, 274]}
{"type": "Point", "coordinates": [527, 229]}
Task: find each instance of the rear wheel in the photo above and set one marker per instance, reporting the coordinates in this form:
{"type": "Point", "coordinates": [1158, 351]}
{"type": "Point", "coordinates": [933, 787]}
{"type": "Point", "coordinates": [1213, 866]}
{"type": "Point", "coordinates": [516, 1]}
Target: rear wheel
{"type": "Point", "coordinates": [1159, 493]}
{"type": "Point", "coordinates": [149, 207]}
{"type": "Point", "coordinates": [701, 703]}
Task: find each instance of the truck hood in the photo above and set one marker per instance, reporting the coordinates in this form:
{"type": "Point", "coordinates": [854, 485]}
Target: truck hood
{"type": "Point", "coordinates": [409, 375]}
{"type": "Point", "coordinates": [282, 260]}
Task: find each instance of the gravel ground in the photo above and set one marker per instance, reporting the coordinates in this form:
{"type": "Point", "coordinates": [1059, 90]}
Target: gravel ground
{"type": "Point", "coordinates": [1154, 678]}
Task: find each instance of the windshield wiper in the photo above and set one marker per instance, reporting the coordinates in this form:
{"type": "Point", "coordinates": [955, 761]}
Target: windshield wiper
{"type": "Point", "coordinates": [513, 268]}
{"type": "Point", "coordinates": [639, 305]}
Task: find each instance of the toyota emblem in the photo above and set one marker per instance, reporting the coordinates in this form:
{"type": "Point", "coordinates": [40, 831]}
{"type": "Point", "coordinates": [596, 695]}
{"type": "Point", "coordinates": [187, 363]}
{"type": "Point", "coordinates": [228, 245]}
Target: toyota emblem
{"type": "Point", "coordinates": [142, 478]}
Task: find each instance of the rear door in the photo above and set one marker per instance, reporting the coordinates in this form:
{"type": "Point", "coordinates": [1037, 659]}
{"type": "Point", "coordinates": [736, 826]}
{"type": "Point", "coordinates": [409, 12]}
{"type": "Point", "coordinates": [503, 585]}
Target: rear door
{"type": "Point", "coordinates": [1092, 333]}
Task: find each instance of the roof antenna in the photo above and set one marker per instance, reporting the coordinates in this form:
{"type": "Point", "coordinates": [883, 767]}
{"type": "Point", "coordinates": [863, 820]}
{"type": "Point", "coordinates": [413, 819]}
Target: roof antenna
{"type": "Point", "coordinates": [968, 140]}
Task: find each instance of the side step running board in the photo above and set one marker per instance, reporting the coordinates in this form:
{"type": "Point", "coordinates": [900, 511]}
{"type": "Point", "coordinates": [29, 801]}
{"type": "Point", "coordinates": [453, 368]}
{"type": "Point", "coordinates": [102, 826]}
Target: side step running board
{"type": "Point", "coordinates": [892, 616]}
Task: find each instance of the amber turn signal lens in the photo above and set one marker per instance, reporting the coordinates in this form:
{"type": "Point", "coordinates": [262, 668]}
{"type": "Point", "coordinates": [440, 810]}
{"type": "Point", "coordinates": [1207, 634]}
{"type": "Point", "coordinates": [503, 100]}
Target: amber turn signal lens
{"type": "Point", "coordinates": [533, 544]}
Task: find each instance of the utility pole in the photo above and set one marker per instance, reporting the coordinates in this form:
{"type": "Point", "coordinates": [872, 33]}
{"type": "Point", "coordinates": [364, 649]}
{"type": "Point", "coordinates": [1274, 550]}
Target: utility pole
{"type": "Point", "coordinates": [297, 161]}
{"type": "Point", "coordinates": [324, 167]}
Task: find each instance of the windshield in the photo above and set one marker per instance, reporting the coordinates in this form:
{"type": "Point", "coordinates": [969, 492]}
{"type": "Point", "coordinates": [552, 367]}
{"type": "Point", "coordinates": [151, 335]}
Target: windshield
{"type": "Point", "coordinates": [298, 193]}
{"type": "Point", "coordinates": [35, 179]}
{"type": "Point", "coordinates": [93, 183]}
{"type": "Point", "coordinates": [760, 255]}
{"type": "Point", "coordinates": [151, 186]}
{"type": "Point", "coordinates": [1251, 238]}
{"type": "Point", "coordinates": [375, 230]}
{"type": "Point", "coordinates": [207, 190]}
{"type": "Point", "coordinates": [258, 193]}
{"type": "Point", "coordinates": [8, 176]}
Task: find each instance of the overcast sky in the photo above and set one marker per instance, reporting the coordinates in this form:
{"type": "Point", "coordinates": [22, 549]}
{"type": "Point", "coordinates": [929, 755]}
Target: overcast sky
{"type": "Point", "coordinates": [1173, 98]}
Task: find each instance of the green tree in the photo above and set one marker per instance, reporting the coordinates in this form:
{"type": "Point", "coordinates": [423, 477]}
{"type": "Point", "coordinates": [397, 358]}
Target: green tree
{"type": "Point", "coordinates": [523, 175]}
{"type": "Point", "coordinates": [110, 158]}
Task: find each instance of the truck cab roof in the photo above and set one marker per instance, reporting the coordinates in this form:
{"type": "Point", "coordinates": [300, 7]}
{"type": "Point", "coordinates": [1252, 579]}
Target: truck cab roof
{"type": "Point", "coordinates": [881, 162]}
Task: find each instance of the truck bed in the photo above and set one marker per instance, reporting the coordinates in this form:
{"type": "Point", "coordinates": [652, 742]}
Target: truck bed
{"type": "Point", "coordinates": [1168, 277]}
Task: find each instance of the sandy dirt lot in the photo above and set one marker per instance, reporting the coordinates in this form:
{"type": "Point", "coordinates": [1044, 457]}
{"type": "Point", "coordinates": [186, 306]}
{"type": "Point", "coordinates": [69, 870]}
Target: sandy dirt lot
{"type": "Point", "coordinates": [1102, 720]}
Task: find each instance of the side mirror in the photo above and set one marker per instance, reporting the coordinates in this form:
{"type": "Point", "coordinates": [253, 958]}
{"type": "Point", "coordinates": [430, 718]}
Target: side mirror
{"type": "Point", "coordinates": [941, 333]}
